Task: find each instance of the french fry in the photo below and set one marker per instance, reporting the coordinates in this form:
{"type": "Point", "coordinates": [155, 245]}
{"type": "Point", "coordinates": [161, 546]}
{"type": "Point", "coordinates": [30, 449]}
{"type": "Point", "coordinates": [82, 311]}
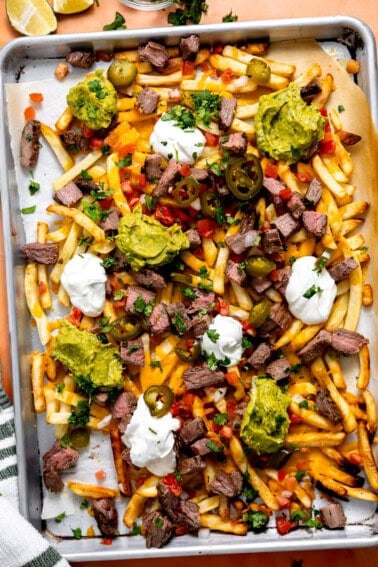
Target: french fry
{"type": "Point", "coordinates": [42, 275]}
{"type": "Point", "coordinates": [65, 159]}
{"type": "Point", "coordinates": [37, 377]}
{"type": "Point", "coordinates": [215, 522]}
{"type": "Point", "coordinates": [364, 447]}
{"type": "Point", "coordinates": [371, 413]}
{"type": "Point", "coordinates": [91, 491]}
{"type": "Point", "coordinates": [33, 302]}
{"type": "Point", "coordinates": [80, 218]}
{"type": "Point", "coordinates": [66, 252]}
{"type": "Point", "coordinates": [315, 439]}
{"type": "Point", "coordinates": [74, 171]}
{"type": "Point", "coordinates": [364, 373]}
{"type": "Point", "coordinates": [64, 120]}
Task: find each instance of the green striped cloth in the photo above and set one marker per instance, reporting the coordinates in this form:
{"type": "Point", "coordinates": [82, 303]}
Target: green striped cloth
{"type": "Point", "coordinates": [21, 545]}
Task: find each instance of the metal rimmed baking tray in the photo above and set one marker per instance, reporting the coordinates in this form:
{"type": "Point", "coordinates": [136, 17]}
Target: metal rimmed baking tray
{"type": "Point", "coordinates": [36, 58]}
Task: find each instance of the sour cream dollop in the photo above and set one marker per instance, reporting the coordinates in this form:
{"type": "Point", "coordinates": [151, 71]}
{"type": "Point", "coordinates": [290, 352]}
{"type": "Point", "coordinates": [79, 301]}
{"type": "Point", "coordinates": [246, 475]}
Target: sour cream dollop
{"type": "Point", "coordinates": [223, 340]}
{"type": "Point", "coordinates": [310, 292]}
{"type": "Point", "coordinates": [84, 279]}
{"type": "Point", "coordinates": [150, 440]}
{"type": "Point", "coordinates": [169, 140]}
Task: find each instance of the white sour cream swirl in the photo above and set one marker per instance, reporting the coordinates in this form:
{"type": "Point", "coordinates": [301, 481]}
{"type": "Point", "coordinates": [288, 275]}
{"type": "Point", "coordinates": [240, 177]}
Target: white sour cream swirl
{"type": "Point", "coordinates": [84, 279]}
{"type": "Point", "coordinates": [310, 292]}
{"type": "Point", "coordinates": [228, 343]}
{"type": "Point", "coordinates": [171, 141]}
{"type": "Point", "coordinates": [151, 440]}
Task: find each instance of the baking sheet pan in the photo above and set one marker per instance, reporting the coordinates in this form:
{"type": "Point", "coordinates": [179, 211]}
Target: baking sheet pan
{"type": "Point", "coordinates": [36, 58]}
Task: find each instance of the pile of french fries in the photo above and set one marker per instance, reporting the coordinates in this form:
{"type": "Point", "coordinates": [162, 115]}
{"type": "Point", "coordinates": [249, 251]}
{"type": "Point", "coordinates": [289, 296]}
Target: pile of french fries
{"type": "Point", "coordinates": [322, 449]}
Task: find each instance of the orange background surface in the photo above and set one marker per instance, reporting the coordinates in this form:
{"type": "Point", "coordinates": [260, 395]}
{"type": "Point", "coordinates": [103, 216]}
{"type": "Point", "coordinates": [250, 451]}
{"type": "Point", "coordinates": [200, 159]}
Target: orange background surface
{"type": "Point", "coordinates": [92, 21]}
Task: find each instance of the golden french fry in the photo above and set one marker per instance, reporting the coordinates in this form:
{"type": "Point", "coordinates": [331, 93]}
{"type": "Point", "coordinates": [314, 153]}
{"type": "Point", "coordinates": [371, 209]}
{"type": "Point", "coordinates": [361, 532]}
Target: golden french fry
{"type": "Point", "coordinates": [364, 373]}
{"type": "Point", "coordinates": [364, 447]}
{"type": "Point", "coordinates": [215, 522]}
{"type": "Point", "coordinates": [34, 304]}
{"type": "Point", "coordinates": [37, 378]}
{"type": "Point", "coordinates": [74, 171]}
{"type": "Point", "coordinates": [64, 157]}
{"type": "Point", "coordinates": [64, 120]}
{"type": "Point", "coordinates": [371, 412]}
{"type": "Point", "coordinates": [80, 218]}
{"type": "Point", "coordinates": [315, 439]}
{"type": "Point", "coordinates": [66, 252]}
{"type": "Point", "coordinates": [92, 491]}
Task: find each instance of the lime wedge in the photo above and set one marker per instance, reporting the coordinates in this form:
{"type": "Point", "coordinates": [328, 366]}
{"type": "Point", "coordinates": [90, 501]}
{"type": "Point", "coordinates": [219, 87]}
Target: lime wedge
{"type": "Point", "coordinates": [71, 6]}
{"type": "Point", "coordinates": [31, 17]}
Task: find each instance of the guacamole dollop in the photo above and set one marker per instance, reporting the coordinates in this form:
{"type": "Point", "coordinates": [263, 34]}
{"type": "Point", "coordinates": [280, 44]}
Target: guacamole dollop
{"type": "Point", "coordinates": [265, 422]}
{"type": "Point", "coordinates": [287, 127]}
{"type": "Point", "coordinates": [83, 354]}
{"type": "Point", "coordinates": [144, 241]}
{"type": "Point", "coordinates": [94, 100]}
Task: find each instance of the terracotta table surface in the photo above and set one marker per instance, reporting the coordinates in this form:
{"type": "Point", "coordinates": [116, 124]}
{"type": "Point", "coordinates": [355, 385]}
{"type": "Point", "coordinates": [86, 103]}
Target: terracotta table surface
{"type": "Point", "coordinates": [92, 21]}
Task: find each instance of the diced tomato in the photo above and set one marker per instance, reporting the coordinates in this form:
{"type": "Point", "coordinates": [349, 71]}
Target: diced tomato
{"type": "Point", "coordinates": [105, 203]}
{"type": "Point", "coordinates": [86, 131]}
{"type": "Point", "coordinates": [285, 194]}
{"type": "Point", "coordinates": [107, 541]}
{"type": "Point", "coordinates": [36, 97]}
{"type": "Point", "coordinates": [96, 143]}
{"type": "Point", "coordinates": [164, 215]}
{"type": "Point", "coordinates": [301, 465]}
{"type": "Point", "coordinates": [75, 316]}
{"type": "Point", "coordinates": [274, 276]}
{"type": "Point", "coordinates": [222, 306]}
{"type": "Point", "coordinates": [271, 170]}
{"type": "Point", "coordinates": [185, 170]}
{"type": "Point", "coordinates": [283, 502]}
{"type": "Point", "coordinates": [295, 418]}
{"type": "Point", "coordinates": [120, 303]}
{"type": "Point", "coordinates": [284, 525]}
{"type": "Point", "coordinates": [206, 227]}
{"type": "Point", "coordinates": [138, 180]}
{"type": "Point", "coordinates": [42, 288]}
{"type": "Point", "coordinates": [281, 474]}
{"type": "Point", "coordinates": [327, 146]}
{"type": "Point", "coordinates": [231, 406]}
{"type": "Point", "coordinates": [212, 140]}
{"type": "Point", "coordinates": [356, 459]}
{"type": "Point", "coordinates": [182, 215]}
{"type": "Point", "coordinates": [227, 76]}
{"type": "Point", "coordinates": [173, 484]}
{"type": "Point", "coordinates": [226, 432]}
{"type": "Point", "coordinates": [29, 113]}
{"type": "Point", "coordinates": [188, 67]}
{"type": "Point", "coordinates": [181, 530]}
{"type": "Point", "coordinates": [134, 202]}
{"type": "Point", "coordinates": [247, 327]}
{"type": "Point", "coordinates": [218, 49]}
{"type": "Point", "coordinates": [126, 149]}
{"type": "Point", "coordinates": [100, 474]}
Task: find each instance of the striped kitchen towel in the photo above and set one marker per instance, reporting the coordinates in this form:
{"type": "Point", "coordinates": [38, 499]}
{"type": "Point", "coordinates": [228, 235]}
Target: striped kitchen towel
{"type": "Point", "coordinates": [21, 545]}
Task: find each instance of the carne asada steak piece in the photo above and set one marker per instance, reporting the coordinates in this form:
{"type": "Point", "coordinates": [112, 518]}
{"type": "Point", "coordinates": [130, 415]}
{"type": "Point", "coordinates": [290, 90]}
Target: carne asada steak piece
{"type": "Point", "coordinates": [229, 484]}
{"type": "Point", "coordinates": [271, 241]}
{"type": "Point", "coordinates": [189, 46]}
{"type": "Point", "coordinates": [132, 352]}
{"type": "Point", "coordinates": [315, 223]}
{"type": "Point", "coordinates": [341, 340]}
{"type": "Point", "coordinates": [235, 143]}
{"type": "Point", "coordinates": [327, 407]}
{"type": "Point", "coordinates": [81, 59]}
{"type": "Point", "coordinates": [106, 516]}
{"type": "Point", "coordinates": [226, 114]}
{"type": "Point", "coordinates": [149, 278]}
{"type": "Point", "coordinates": [342, 269]}
{"type": "Point", "coordinates": [159, 320]}
{"type": "Point", "coordinates": [235, 272]}
{"type": "Point", "coordinates": [41, 253]}
{"type": "Point", "coordinates": [29, 146]}
{"type": "Point", "coordinates": [152, 167]}
{"type": "Point", "coordinates": [73, 139]}
{"type": "Point", "coordinates": [201, 377]}
{"type": "Point", "coordinates": [138, 295]}
{"type": "Point", "coordinates": [278, 369]}
{"type": "Point", "coordinates": [296, 205]}
{"type": "Point", "coordinates": [124, 405]}
{"type": "Point", "coordinates": [68, 195]}
{"type": "Point", "coordinates": [147, 101]}
{"type": "Point", "coordinates": [157, 529]}
{"type": "Point", "coordinates": [243, 241]}
{"type": "Point", "coordinates": [155, 53]}
{"type": "Point", "coordinates": [192, 430]}
{"type": "Point", "coordinates": [168, 176]}
{"type": "Point", "coordinates": [260, 355]}
{"type": "Point", "coordinates": [112, 221]}
{"type": "Point", "coordinates": [190, 465]}
{"type": "Point", "coordinates": [313, 193]}
{"type": "Point", "coordinates": [55, 460]}
{"type": "Point", "coordinates": [333, 515]}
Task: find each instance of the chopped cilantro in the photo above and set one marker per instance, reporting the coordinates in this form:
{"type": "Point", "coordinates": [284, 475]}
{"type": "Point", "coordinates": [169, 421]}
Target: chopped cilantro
{"type": "Point", "coordinates": [213, 335]}
{"type": "Point", "coordinates": [230, 17]}
{"type": "Point", "coordinates": [214, 447]}
{"type": "Point", "coordinates": [188, 292]}
{"type": "Point", "coordinates": [190, 12]}
{"type": "Point", "coordinates": [311, 291]}
{"type": "Point", "coordinates": [109, 262]}
{"type": "Point", "coordinates": [303, 404]}
{"type": "Point", "coordinates": [150, 202]}
{"type": "Point", "coordinates": [60, 517]}
{"type": "Point", "coordinates": [257, 521]}
{"type": "Point", "coordinates": [220, 418]}
{"type": "Point", "coordinates": [84, 504]}
{"type": "Point", "coordinates": [178, 321]}
{"type": "Point", "coordinates": [183, 117]}
{"type": "Point", "coordinates": [77, 533]}
{"type": "Point", "coordinates": [28, 210]}
{"type": "Point", "coordinates": [205, 105]}
{"type": "Point", "coordinates": [119, 23]}
{"type": "Point", "coordinates": [33, 187]}
{"type": "Point", "coordinates": [156, 364]}
{"type": "Point", "coordinates": [126, 161]}
{"type": "Point", "coordinates": [80, 414]}
{"type": "Point", "coordinates": [135, 530]}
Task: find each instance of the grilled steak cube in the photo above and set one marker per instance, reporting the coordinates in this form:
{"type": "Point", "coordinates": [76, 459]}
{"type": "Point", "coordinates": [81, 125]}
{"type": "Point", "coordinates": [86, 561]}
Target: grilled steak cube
{"type": "Point", "coordinates": [41, 253]}
{"type": "Point", "coordinates": [29, 147]}
{"type": "Point", "coordinates": [106, 516]}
